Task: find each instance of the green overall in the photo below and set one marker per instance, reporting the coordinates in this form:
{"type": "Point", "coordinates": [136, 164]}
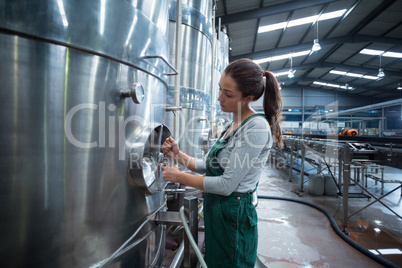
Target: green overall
{"type": "Point", "coordinates": [231, 234]}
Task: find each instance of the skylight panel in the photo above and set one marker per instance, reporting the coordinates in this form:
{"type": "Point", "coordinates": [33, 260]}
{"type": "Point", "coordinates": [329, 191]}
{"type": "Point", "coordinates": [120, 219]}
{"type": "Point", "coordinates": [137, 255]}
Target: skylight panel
{"type": "Point", "coordinates": [282, 57]}
{"type": "Point", "coordinates": [281, 73]}
{"type": "Point", "coordinates": [332, 85]}
{"type": "Point", "coordinates": [301, 21]}
{"type": "Point", "coordinates": [272, 27]}
{"type": "Point", "coordinates": [376, 52]}
{"type": "Point", "coordinates": [392, 54]}
{"type": "Point", "coordinates": [373, 52]}
{"type": "Point", "coordinates": [337, 72]}
{"type": "Point", "coordinates": [370, 77]}
{"type": "Point", "coordinates": [319, 83]}
{"type": "Point", "coordinates": [347, 87]}
{"type": "Point", "coordinates": [354, 75]}
{"type": "Point", "coordinates": [332, 15]}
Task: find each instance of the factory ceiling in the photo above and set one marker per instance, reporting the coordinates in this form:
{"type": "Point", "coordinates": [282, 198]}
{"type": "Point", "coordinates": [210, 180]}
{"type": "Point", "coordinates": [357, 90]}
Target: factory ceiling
{"type": "Point", "coordinates": [357, 38]}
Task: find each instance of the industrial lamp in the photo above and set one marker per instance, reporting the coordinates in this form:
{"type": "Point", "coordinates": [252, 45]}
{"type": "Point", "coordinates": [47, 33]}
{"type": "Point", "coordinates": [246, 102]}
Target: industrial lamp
{"type": "Point", "coordinates": [381, 70]}
{"type": "Point", "coordinates": [399, 86]}
{"type": "Point", "coordinates": [291, 72]}
{"type": "Point", "coordinates": [316, 45]}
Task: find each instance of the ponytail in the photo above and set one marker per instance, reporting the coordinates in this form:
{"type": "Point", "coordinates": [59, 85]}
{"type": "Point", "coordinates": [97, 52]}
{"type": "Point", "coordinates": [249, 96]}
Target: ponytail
{"type": "Point", "coordinates": [252, 81]}
{"type": "Point", "coordinates": [272, 104]}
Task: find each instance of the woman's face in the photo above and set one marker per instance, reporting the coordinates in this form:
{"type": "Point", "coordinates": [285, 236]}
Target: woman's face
{"type": "Point", "coordinates": [230, 98]}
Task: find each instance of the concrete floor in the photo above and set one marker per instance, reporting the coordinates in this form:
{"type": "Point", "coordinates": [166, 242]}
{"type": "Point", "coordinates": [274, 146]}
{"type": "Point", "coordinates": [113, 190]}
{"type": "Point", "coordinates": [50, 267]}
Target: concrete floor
{"type": "Point", "coordinates": [295, 235]}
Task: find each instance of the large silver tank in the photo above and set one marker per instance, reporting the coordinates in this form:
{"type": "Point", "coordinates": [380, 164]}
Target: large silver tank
{"type": "Point", "coordinates": [69, 197]}
{"type": "Point", "coordinates": [195, 74]}
{"type": "Point", "coordinates": [221, 60]}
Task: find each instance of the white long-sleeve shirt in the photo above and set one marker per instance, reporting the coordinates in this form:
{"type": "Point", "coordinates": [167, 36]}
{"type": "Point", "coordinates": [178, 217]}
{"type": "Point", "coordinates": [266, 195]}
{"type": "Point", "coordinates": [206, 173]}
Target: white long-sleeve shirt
{"type": "Point", "coordinates": [242, 159]}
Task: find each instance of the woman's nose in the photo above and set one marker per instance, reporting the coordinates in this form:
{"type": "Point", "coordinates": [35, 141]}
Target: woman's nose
{"type": "Point", "coordinates": [219, 96]}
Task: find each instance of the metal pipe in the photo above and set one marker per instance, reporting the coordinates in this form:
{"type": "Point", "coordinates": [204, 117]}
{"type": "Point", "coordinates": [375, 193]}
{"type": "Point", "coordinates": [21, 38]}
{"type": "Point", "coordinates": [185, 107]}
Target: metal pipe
{"type": "Point", "coordinates": [190, 204]}
{"type": "Point", "coordinates": [178, 258]}
{"type": "Point", "coordinates": [361, 109]}
{"type": "Point", "coordinates": [212, 71]}
{"type": "Point", "coordinates": [346, 179]}
{"type": "Point", "coordinates": [178, 67]}
{"type": "Point", "coordinates": [191, 239]}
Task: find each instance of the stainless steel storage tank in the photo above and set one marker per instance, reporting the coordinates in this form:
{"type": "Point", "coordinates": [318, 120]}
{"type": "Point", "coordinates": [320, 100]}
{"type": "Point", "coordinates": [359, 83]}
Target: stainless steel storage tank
{"type": "Point", "coordinates": [79, 161]}
{"type": "Point", "coordinates": [195, 73]}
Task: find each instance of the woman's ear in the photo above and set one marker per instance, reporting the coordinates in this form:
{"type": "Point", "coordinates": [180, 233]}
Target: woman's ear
{"type": "Point", "coordinates": [248, 99]}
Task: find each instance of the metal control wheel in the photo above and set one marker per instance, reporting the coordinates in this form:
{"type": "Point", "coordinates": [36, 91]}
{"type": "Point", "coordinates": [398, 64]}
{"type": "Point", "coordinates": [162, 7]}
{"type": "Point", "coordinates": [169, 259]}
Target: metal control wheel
{"type": "Point", "coordinates": [146, 159]}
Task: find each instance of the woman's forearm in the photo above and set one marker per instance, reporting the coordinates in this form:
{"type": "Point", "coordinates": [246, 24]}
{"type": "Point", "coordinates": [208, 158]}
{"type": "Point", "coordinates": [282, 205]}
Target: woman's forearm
{"type": "Point", "coordinates": [191, 180]}
{"type": "Point", "coordinates": [187, 161]}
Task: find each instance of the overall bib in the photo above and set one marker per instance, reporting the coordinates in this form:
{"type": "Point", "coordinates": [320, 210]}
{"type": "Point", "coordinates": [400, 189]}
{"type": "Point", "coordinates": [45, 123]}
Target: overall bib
{"type": "Point", "coordinates": [231, 234]}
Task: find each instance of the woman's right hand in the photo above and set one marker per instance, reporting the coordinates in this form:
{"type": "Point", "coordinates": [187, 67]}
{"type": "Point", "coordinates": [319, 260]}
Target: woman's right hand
{"type": "Point", "coordinates": [171, 148]}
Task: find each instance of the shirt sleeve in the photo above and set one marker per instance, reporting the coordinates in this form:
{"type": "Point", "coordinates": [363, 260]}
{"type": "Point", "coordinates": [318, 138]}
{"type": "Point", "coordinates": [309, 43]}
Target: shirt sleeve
{"type": "Point", "coordinates": [200, 168]}
{"type": "Point", "coordinates": [244, 155]}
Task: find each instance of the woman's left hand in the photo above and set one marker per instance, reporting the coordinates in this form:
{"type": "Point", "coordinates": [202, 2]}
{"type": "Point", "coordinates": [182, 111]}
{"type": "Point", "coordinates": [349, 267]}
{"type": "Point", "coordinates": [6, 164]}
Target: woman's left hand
{"type": "Point", "coordinates": [171, 173]}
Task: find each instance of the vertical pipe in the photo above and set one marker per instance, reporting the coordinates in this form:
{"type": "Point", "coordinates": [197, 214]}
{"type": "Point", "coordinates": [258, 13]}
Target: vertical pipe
{"type": "Point", "coordinates": [302, 127]}
{"type": "Point", "coordinates": [178, 258]}
{"type": "Point", "coordinates": [291, 160]}
{"type": "Point", "coordinates": [212, 123]}
{"type": "Point", "coordinates": [303, 154]}
{"type": "Point", "coordinates": [178, 67]}
{"type": "Point", "coordinates": [346, 179]}
{"type": "Point", "coordinates": [381, 130]}
{"type": "Point", "coordinates": [340, 163]}
{"type": "Point", "coordinates": [191, 209]}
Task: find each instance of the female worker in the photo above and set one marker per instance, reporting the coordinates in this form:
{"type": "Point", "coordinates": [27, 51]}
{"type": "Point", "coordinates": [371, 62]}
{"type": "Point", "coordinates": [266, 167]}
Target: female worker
{"type": "Point", "coordinates": [233, 165]}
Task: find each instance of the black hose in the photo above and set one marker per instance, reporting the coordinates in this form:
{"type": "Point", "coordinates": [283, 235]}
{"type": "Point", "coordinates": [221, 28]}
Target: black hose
{"type": "Point", "coordinates": [338, 231]}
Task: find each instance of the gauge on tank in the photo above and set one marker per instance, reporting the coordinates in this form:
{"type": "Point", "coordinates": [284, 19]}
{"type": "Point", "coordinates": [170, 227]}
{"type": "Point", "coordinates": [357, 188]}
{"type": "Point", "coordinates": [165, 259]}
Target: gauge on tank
{"type": "Point", "coordinates": [138, 93]}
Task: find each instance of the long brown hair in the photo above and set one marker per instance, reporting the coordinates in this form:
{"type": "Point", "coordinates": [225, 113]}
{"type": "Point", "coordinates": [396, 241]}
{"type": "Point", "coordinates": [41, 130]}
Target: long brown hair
{"type": "Point", "coordinates": [249, 78]}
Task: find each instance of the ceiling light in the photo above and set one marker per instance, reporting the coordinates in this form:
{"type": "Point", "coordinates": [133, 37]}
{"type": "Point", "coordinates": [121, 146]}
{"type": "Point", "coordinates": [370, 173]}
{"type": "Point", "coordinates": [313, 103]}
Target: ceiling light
{"type": "Point", "coordinates": [291, 73]}
{"type": "Point", "coordinates": [381, 72]}
{"type": "Point", "coordinates": [301, 21]}
{"type": "Point", "coordinates": [399, 86]}
{"type": "Point", "coordinates": [316, 45]}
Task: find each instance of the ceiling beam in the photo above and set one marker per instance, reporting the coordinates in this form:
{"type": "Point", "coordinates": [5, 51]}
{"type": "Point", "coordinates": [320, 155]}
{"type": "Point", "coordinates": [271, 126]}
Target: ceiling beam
{"type": "Point", "coordinates": [357, 38]}
{"type": "Point", "coordinates": [270, 10]}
